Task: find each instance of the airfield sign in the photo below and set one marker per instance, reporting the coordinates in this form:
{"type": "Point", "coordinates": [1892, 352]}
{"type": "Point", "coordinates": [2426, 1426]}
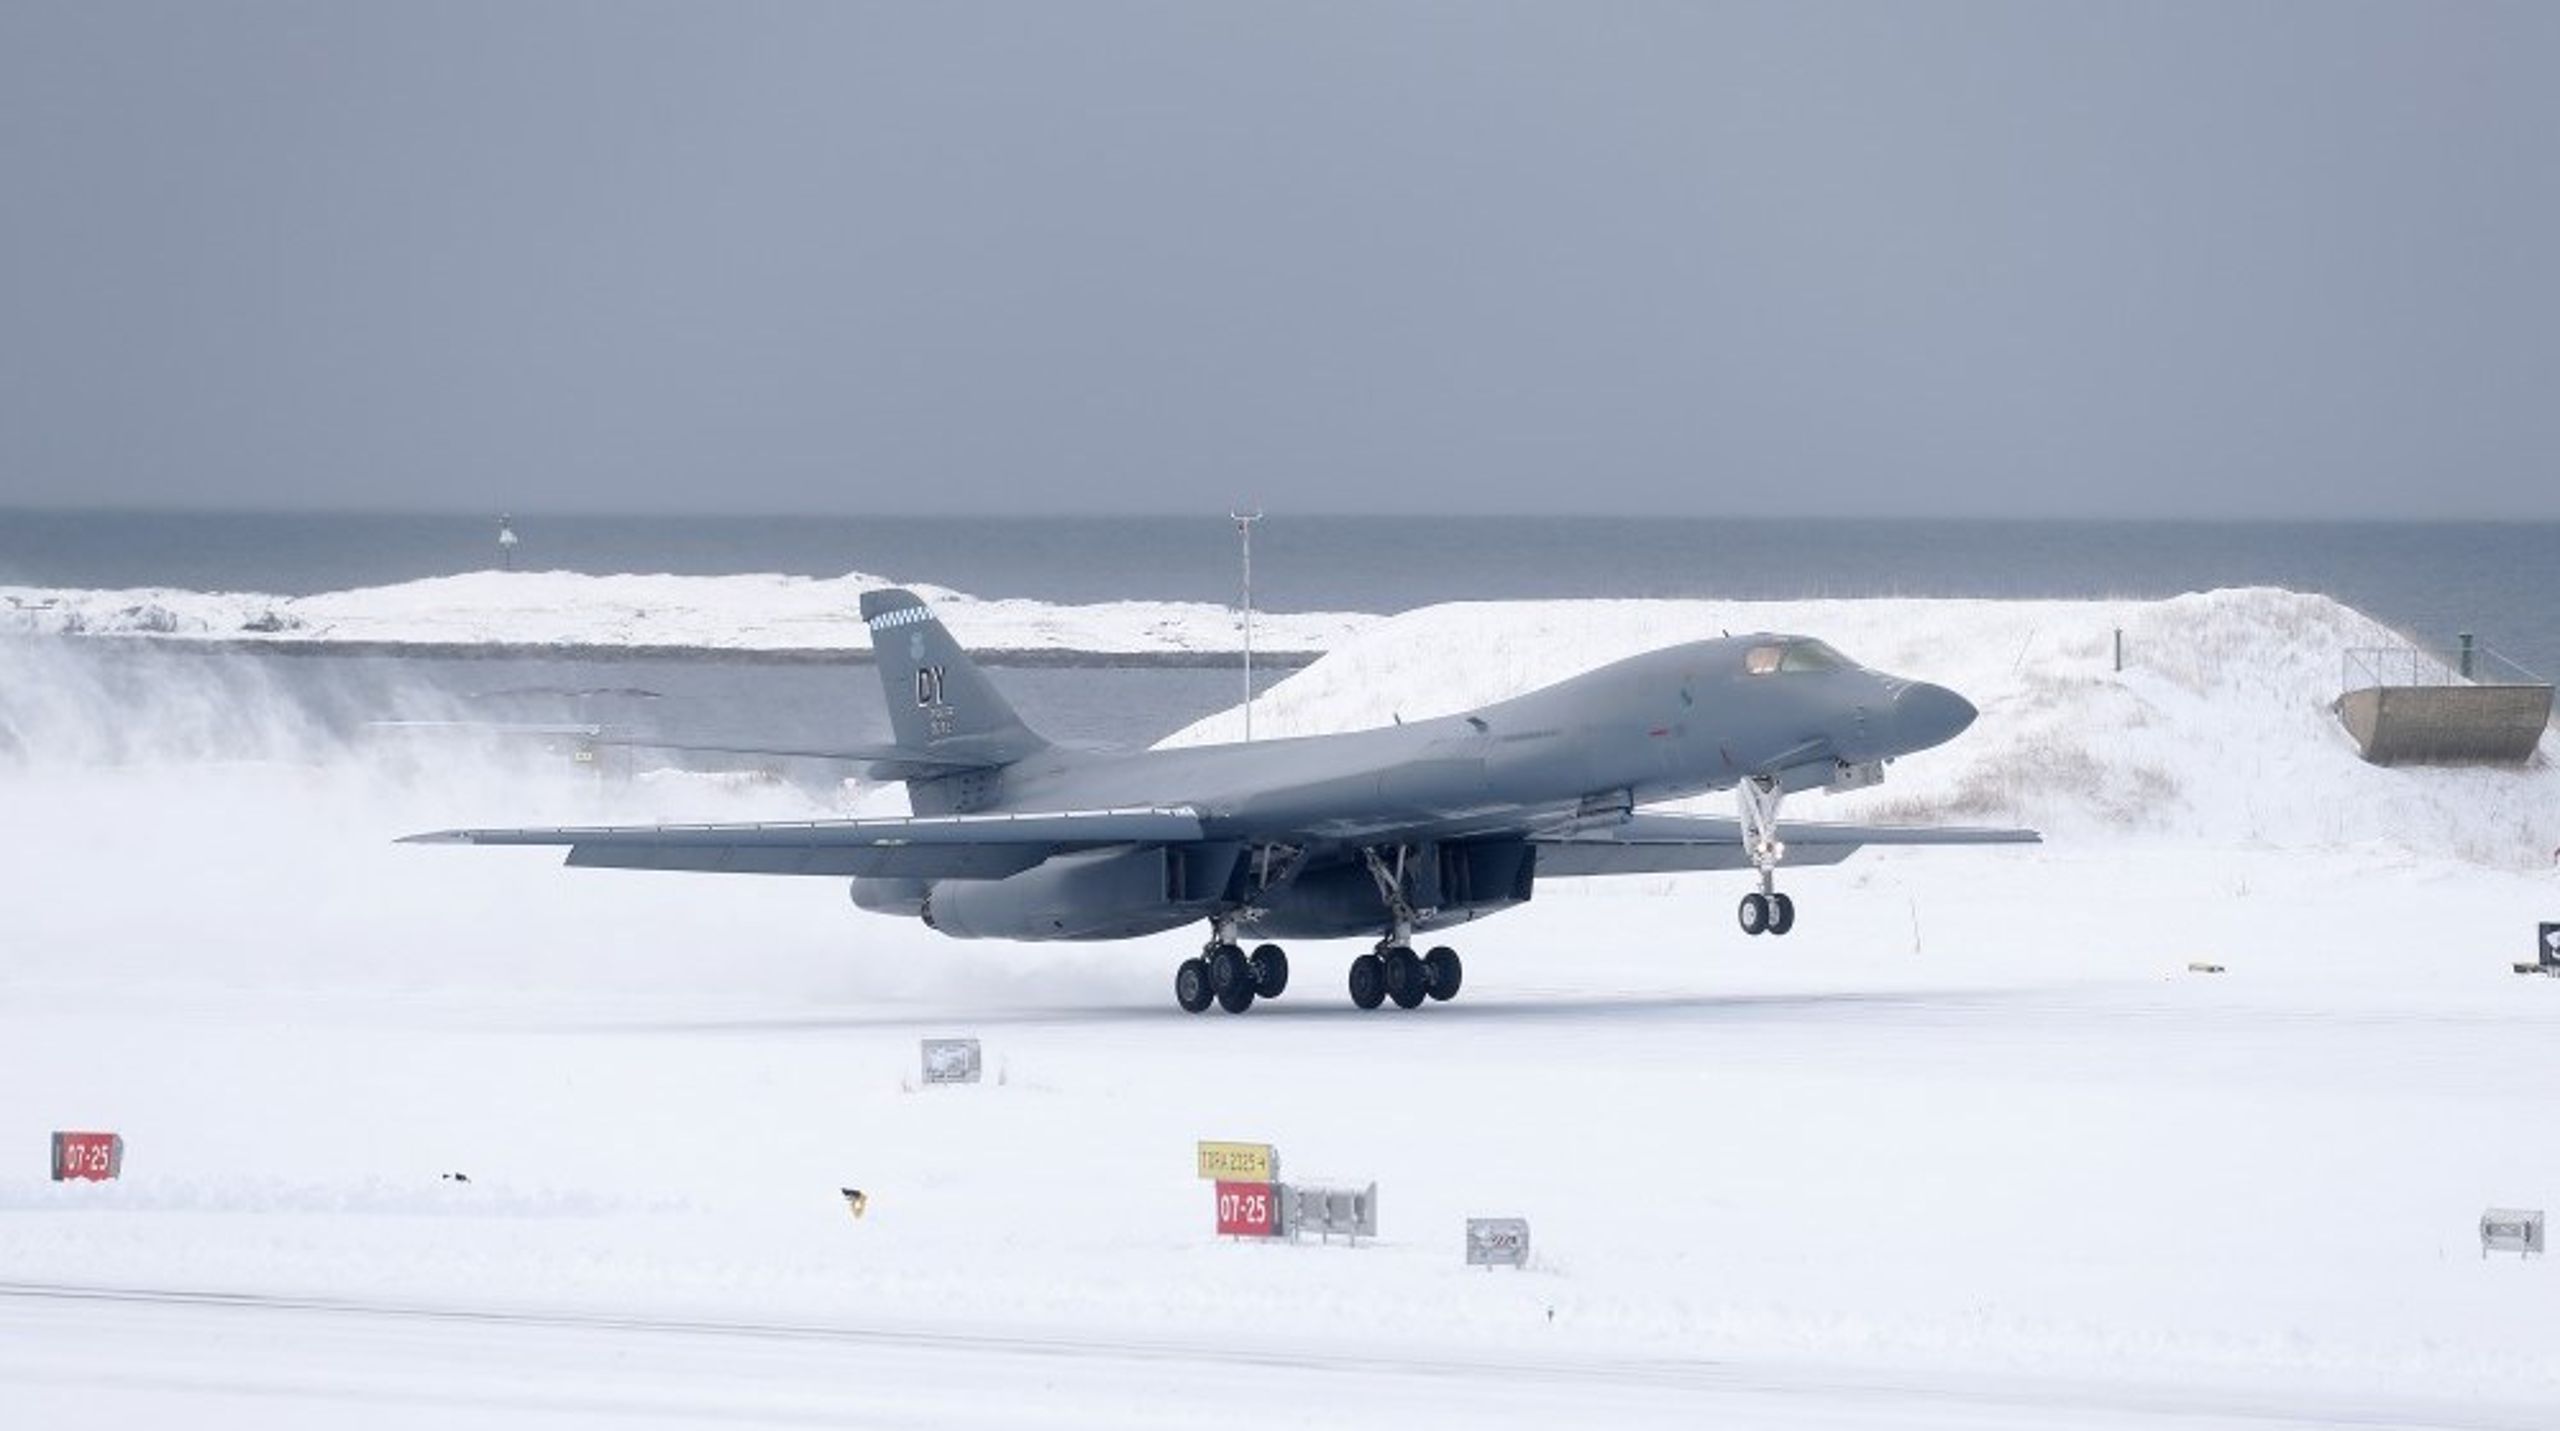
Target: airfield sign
{"type": "Point", "coordinates": [2511, 1229]}
{"type": "Point", "coordinates": [1497, 1242]}
{"type": "Point", "coordinates": [87, 1157]}
{"type": "Point", "coordinates": [951, 1060]}
{"type": "Point", "coordinates": [1239, 1162]}
{"type": "Point", "coordinates": [1248, 1210]}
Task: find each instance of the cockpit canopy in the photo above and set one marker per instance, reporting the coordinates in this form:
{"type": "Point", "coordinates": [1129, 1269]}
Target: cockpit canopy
{"type": "Point", "coordinates": [1791, 656]}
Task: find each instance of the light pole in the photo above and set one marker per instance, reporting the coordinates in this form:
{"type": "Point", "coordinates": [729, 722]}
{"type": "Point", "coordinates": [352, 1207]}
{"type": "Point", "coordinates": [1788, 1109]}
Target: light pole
{"type": "Point", "coordinates": [1244, 533]}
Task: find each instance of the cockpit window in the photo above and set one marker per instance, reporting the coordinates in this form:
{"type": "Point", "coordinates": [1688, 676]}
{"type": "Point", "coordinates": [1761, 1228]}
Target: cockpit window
{"type": "Point", "coordinates": [1812, 656]}
{"type": "Point", "coordinates": [1793, 656]}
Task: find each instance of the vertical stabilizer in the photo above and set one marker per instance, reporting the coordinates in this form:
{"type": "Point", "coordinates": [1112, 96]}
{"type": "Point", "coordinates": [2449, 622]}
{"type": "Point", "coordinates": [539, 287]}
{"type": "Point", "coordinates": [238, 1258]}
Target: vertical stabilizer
{"type": "Point", "coordinates": [940, 703]}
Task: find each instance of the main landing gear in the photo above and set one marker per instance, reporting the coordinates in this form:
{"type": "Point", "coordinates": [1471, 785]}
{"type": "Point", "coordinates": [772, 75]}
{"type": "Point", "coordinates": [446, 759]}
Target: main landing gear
{"type": "Point", "coordinates": [1396, 972]}
{"type": "Point", "coordinates": [1764, 911]}
{"type": "Point", "coordinates": [1225, 975]}
{"type": "Point", "coordinates": [1229, 977]}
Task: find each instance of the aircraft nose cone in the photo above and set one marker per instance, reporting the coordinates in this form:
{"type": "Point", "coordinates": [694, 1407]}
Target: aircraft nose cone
{"type": "Point", "coordinates": [1925, 715]}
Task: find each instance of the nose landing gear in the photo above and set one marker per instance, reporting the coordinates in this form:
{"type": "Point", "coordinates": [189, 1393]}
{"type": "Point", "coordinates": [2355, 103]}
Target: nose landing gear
{"type": "Point", "coordinates": [1770, 913]}
{"type": "Point", "coordinates": [1764, 911]}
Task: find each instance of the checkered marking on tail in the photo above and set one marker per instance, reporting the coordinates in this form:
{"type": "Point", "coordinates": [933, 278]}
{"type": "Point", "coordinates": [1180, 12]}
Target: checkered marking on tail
{"type": "Point", "coordinates": [903, 616]}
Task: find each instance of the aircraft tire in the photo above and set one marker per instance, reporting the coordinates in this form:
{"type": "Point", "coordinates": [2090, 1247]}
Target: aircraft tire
{"type": "Point", "coordinates": [1270, 971]}
{"type": "Point", "coordinates": [1406, 982]}
{"type": "Point", "coordinates": [1228, 969]}
{"type": "Point", "coordinates": [1191, 986]}
{"type": "Point", "coordinates": [1443, 972]}
{"type": "Point", "coordinates": [1754, 913]}
{"type": "Point", "coordinates": [1368, 981]}
{"type": "Point", "coordinates": [1236, 998]}
{"type": "Point", "coordinates": [1782, 913]}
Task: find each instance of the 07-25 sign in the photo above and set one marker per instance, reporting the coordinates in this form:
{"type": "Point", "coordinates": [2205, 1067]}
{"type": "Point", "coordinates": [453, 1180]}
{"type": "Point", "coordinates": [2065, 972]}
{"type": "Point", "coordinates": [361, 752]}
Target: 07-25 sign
{"type": "Point", "coordinates": [87, 1157]}
{"type": "Point", "coordinates": [1247, 1210]}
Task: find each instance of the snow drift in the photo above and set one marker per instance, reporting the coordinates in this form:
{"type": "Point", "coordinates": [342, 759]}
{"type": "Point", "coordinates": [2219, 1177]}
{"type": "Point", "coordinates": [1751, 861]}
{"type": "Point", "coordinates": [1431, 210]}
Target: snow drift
{"type": "Point", "coordinates": [711, 613]}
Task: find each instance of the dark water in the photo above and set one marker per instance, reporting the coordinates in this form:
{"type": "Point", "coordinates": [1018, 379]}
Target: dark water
{"type": "Point", "coordinates": [2500, 580]}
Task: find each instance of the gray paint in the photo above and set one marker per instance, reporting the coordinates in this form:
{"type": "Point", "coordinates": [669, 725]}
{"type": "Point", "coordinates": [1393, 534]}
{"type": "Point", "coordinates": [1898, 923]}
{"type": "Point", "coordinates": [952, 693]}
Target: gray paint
{"type": "Point", "coordinates": [2158, 259]}
{"type": "Point", "coordinates": [1017, 838]}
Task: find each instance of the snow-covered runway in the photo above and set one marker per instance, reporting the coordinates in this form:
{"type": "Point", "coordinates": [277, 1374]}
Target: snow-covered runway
{"type": "Point", "coordinates": [136, 1356]}
{"type": "Point", "coordinates": [1793, 1183]}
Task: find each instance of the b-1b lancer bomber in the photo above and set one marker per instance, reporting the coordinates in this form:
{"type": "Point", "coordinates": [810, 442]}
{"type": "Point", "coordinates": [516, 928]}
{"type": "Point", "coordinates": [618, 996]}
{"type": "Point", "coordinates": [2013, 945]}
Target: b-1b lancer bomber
{"type": "Point", "coordinates": [1391, 833]}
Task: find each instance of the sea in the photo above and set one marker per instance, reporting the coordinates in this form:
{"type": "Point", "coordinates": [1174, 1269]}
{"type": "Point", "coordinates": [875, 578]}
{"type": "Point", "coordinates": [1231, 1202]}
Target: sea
{"type": "Point", "coordinates": [2499, 581]}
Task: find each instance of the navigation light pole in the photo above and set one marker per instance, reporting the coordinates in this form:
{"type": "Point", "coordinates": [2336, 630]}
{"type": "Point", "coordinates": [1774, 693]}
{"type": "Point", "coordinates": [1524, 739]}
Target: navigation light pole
{"type": "Point", "coordinates": [1244, 532]}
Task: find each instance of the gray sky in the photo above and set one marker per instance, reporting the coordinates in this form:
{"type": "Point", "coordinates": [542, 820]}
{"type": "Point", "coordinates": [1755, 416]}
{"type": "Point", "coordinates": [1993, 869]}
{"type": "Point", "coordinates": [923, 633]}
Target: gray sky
{"type": "Point", "coordinates": [2146, 259]}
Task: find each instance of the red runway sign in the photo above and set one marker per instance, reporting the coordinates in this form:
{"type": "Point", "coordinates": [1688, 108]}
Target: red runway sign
{"type": "Point", "coordinates": [1246, 1210]}
{"type": "Point", "coordinates": [87, 1157]}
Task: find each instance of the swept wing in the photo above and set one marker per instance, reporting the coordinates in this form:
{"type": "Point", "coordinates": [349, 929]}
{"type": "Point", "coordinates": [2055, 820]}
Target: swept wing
{"type": "Point", "coordinates": [888, 762]}
{"type": "Point", "coordinates": [1666, 844]}
{"type": "Point", "coordinates": [912, 847]}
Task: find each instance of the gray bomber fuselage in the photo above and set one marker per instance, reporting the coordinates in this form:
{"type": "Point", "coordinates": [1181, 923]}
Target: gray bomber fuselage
{"type": "Point", "coordinates": [1661, 725]}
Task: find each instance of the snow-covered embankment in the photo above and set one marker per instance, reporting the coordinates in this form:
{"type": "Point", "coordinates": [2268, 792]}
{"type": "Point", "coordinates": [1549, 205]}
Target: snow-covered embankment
{"type": "Point", "coordinates": [662, 613]}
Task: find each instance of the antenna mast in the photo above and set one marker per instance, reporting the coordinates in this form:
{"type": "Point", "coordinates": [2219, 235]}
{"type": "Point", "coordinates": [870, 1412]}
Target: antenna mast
{"type": "Point", "coordinates": [1244, 532]}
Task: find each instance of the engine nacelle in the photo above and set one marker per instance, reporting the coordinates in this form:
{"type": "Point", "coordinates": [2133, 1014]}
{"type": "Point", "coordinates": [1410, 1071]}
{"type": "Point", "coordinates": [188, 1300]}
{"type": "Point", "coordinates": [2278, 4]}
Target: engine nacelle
{"type": "Point", "coordinates": [1112, 893]}
{"type": "Point", "coordinates": [1454, 882]}
{"type": "Point", "coordinates": [891, 896]}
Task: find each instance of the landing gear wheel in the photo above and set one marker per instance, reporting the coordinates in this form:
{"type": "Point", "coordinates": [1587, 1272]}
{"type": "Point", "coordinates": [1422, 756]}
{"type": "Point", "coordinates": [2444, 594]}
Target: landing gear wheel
{"type": "Point", "coordinates": [1270, 971]}
{"type": "Point", "coordinates": [1236, 998]}
{"type": "Point", "coordinates": [1754, 913]}
{"type": "Point", "coordinates": [1191, 986]}
{"type": "Point", "coordinates": [1368, 981]}
{"type": "Point", "coordinates": [1405, 978]}
{"type": "Point", "coordinates": [1782, 914]}
{"type": "Point", "coordinates": [1228, 969]}
{"type": "Point", "coordinates": [1442, 973]}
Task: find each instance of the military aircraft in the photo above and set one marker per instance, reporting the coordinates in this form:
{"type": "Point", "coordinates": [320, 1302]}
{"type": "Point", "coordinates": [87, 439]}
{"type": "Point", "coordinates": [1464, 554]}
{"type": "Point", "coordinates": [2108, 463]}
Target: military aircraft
{"type": "Point", "coordinates": [1398, 831]}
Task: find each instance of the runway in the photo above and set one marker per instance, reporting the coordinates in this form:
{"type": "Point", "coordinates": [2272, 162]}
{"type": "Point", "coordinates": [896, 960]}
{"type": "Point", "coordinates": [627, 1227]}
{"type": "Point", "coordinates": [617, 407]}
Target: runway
{"type": "Point", "coordinates": [116, 1356]}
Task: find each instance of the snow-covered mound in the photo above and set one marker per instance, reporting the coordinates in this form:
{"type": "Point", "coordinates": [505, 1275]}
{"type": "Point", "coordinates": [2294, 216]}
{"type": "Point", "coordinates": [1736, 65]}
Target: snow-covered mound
{"type": "Point", "coordinates": [2218, 729]}
{"type": "Point", "coordinates": [746, 613]}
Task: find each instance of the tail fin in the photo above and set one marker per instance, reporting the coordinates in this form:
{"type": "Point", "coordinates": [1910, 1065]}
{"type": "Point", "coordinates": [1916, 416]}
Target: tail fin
{"type": "Point", "coordinates": [939, 702]}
